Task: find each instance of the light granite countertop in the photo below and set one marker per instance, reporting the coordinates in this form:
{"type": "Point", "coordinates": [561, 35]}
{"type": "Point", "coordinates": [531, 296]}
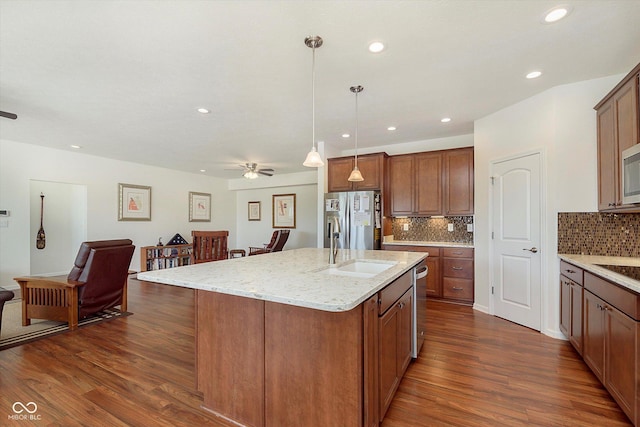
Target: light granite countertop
{"type": "Point", "coordinates": [589, 263]}
{"type": "Point", "coordinates": [425, 243]}
{"type": "Point", "coordinates": [296, 277]}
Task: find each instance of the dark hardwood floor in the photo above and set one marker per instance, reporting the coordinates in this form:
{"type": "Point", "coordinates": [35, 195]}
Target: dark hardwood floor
{"type": "Point", "coordinates": [474, 370]}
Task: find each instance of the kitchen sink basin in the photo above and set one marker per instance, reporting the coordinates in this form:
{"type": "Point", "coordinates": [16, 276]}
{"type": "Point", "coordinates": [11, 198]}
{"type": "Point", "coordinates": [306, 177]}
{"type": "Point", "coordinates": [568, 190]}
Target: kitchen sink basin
{"type": "Point", "coordinates": [357, 268]}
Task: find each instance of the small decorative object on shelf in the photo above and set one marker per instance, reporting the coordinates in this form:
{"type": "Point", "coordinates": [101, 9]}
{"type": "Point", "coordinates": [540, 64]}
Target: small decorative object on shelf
{"type": "Point", "coordinates": [160, 257]}
{"type": "Point", "coordinates": [159, 241]}
{"type": "Point", "coordinates": [177, 239]}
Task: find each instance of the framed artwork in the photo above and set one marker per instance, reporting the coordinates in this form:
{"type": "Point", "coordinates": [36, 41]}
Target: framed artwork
{"type": "Point", "coordinates": [254, 211]}
{"type": "Point", "coordinates": [134, 202]}
{"type": "Point", "coordinates": [284, 211]}
{"type": "Point", "coordinates": [199, 207]}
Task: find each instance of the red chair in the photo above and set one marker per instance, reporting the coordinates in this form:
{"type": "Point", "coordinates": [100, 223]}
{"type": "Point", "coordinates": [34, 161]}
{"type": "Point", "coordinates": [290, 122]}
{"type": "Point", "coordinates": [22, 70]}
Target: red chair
{"type": "Point", "coordinates": [278, 240]}
{"type": "Point", "coordinates": [209, 246]}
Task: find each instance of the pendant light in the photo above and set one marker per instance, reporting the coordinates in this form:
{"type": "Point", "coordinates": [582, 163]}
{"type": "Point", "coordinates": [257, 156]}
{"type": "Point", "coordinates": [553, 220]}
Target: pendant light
{"type": "Point", "coordinates": [356, 176]}
{"type": "Point", "coordinates": [313, 159]}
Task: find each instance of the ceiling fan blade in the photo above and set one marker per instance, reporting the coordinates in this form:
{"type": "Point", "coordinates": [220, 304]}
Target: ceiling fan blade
{"type": "Point", "coordinates": [264, 172]}
{"type": "Point", "coordinates": [8, 115]}
{"type": "Point", "coordinates": [267, 170]}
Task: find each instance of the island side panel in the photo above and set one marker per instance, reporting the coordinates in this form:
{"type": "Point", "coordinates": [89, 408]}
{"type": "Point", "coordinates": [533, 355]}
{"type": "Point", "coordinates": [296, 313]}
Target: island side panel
{"type": "Point", "coordinates": [313, 367]}
{"type": "Point", "coordinates": [230, 356]}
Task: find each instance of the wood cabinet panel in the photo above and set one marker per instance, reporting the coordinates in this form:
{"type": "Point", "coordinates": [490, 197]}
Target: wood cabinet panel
{"type": "Point", "coordinates": [624, 300]}
{"type": "Point", "coordinates": [428, 184]}
{"type": "Point", "coordinates": [618, 120]}
{"type": "Point", "coordinates": [372, 167]}
{"type": "Point", "coordinates": [457, 252]}
{"type": "Point", "coordinates": [458, 182]}
{"type": "Point", "coordinates": [572, 272]}
{"type": "Point", "coordinates": [458, 268]}
{"type": "Point", "coordinates": [401, 184]}
{"type": "Point", "coordinates": [575, 329]}
{"type": "Point", "coordinates": [434, 280]}
{"type": "Point", "coordinates": [620, 357]}
{"type": "Point", "coordinates": [457, 289]}
{"type": "Point", "coordinates": [371, 359]}
{"type": "Point", "coordinates": [593, 340]}
{"type": "Point", "coordinates": [565, 305]}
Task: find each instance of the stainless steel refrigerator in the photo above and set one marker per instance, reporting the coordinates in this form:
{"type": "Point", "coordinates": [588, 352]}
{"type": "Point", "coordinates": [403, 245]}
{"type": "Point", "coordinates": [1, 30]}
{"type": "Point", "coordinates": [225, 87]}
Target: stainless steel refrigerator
{"type": "Point", "coordinates": [359, 216]}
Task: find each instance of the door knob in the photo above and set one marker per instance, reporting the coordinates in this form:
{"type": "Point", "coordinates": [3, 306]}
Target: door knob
{"type": "Point", "coordinates": [534, 250]}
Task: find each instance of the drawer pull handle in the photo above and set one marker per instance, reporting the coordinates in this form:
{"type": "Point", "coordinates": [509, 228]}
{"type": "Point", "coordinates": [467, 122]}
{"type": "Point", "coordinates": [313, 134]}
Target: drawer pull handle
{"type": "Point", "coordinates": [570, 271]}
{"type": "Point", "coordinates": [456, 288]}
{"type": "Point", "coordinates": [456, 268]}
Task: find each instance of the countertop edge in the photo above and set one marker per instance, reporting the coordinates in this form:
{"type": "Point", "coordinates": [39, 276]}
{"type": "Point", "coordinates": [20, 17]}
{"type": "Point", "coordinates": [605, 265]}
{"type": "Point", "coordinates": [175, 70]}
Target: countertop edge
{"type": "Point", "coordinates": [425, 243]}
{"type": "Point", "coordinates": [588, 263]}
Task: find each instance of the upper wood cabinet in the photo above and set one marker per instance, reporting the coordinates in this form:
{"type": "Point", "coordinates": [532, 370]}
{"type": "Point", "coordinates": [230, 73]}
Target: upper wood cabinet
{"type": "Point", "coordinates": [618, 119]}
{"type": "Point", "coordinates": [432, 183]}
{"type": "Point", "coordinates": [372, 167]}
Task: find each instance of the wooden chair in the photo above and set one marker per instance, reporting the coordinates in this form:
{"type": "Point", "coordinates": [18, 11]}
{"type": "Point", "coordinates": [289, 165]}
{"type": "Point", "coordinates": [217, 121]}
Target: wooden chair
{"type": "Point", "coordinates": [209, 246]}
{"type": "Point", "coordinates": [278, 240]}
{"type": "Point", "coordinates": [97, 281]}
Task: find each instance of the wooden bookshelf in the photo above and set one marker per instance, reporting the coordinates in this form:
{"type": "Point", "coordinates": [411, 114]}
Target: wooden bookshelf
{"type": "Point", "coordinates": [160, 257]}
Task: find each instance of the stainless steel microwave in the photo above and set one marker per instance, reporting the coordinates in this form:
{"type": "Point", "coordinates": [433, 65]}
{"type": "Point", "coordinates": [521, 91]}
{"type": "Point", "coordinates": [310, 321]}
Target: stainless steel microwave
{"type": "Point", "coordinates": [631, 175]}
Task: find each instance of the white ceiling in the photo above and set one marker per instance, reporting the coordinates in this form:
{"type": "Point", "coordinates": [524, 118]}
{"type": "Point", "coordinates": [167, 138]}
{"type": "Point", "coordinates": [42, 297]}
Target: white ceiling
{"type": "Point", "coordinates": [123, 79]}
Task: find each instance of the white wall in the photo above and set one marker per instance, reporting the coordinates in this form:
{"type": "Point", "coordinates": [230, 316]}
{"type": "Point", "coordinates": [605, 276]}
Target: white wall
{"type": "Point", "coordinates": [561, 123]}
{"type": "Point", "coordinates": [256, 233]}
{"type": "Point", "coordinates": [458, 141]}
{"type": "Point", "coordinates": [22, 163]}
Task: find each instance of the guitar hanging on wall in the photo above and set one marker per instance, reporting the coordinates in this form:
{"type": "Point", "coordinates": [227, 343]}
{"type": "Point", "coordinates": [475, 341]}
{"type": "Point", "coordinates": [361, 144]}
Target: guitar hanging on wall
{"type": "Point", "coordinates": [40, 238]}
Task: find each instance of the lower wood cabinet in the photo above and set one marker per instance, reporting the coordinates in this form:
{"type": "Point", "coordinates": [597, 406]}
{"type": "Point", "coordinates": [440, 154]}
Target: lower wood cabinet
{"type": "Point", "coordinates": [451, 271]}
{"type": "Point", "coordinates": [610, 317]}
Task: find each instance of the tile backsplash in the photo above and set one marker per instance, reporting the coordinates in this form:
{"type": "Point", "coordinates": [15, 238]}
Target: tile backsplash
{"type": "Point", "coordinates": [433, 229]}
{"type": "Point", "coordinates": [595, 233]}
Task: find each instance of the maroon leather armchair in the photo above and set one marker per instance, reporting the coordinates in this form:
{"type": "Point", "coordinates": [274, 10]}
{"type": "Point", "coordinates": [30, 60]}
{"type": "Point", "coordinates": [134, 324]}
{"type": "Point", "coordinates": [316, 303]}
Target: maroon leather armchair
{"type": "Point", "coordinates": [97, 281]}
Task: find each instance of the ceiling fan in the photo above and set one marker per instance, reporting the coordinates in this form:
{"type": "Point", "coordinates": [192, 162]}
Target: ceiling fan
{"type": "Point", "coordinates": [8, 115]}
{"type": "Point", "coordinates": [251, 171]}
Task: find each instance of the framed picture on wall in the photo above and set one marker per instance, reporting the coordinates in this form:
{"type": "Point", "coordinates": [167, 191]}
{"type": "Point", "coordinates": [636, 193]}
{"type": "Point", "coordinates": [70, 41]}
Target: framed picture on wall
{"type": "Point", "coordinates": [254, 211]}
{"type": "Point", "coordinates": [134, 202]}
{"type": "Point", "coordinates": [199, 207]}
{"type": "Point", "coordinates": [284, 211]}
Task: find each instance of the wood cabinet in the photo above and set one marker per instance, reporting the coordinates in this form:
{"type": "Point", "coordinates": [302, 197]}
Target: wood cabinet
{"type": "Point", "coordinates": [159, 257]}
{"type": "Point", "coordinates": [610, 316]}
{"type": "Point", "coordinates": [431, 183]}
{"type": "Point", "coordinates": [372, 167]}
{"type": "Point", "coordinates": [395, 330]}
{"type": "Point", "coordinates": [451, 271]}
{"type": "Point", "coordinates": [571, 295]}
{"type": "Point", "coordinates": [370, 360]}
{"type": "Point", "coordinates": [618, 120]}
{"type": "Point", "coordinates": [457, 274]}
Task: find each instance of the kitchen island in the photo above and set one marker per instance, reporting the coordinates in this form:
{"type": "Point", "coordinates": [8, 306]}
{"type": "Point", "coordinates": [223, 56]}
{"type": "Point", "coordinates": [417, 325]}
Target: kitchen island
{"type": "Point", "coordinates": [285, 339]}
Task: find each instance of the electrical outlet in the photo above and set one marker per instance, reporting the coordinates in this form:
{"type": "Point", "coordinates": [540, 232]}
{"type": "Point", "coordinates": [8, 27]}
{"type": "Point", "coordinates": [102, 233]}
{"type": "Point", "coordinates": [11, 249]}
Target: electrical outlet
{"type": "Point", "coordinates": [405, 227]}
{"type": "Point", "coordinates": [450, 227]}
{"type": "Point", "coordinates": [470, 228]}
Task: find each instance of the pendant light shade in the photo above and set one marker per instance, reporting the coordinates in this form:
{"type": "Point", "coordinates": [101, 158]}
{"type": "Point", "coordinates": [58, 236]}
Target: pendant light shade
{"type": "Point", "coordinates": [313, 159]}
{"type": "Point", "coordinates": [356, 176]}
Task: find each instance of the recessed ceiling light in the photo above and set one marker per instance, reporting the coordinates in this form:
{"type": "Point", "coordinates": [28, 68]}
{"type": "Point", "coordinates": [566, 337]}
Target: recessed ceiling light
{"type": "Point", "coordinates": [346, 135]}
{"type": "Point", "coordinates": [445, 119]}
{"type": "Point", "coordinates": [534, 74]}
{"type": "Point", "coordinates": [203, 111]}
{"type": "Point", "coordinates": [203, 170]}
{"type": "Point", "coordinates": [376, 47]}
{"type": "Point", "coordinates": [77, 147]}
{"type": "Point", "coordinates": [391, 128]}
{"type": "Point", "coordinates": [556, 14]}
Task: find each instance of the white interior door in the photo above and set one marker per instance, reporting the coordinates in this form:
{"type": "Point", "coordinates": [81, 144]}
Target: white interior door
{"type": "Point", "coordinates": [516, 236]}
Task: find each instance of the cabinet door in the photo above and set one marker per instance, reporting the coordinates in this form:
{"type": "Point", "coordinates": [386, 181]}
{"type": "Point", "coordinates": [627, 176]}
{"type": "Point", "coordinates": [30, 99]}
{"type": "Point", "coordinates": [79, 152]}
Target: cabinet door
{"type": "Point", "coordinates": [338, 171]}
{"type": "Point", "coordinates": [593, 334]}
{"type": "Point", "coordinates": [607, 164]}
{"type": "Point", "coordinates": [565, 306]}
{"type": "Point", "coordinates": [458, 168]}
{"type": "Point", "coordinates": [575, 329]}
{"type": "Point", "coordinates": [405, 332]}
{"type": "Point", "coordinates": [626, 116]}
{"type": "Point", "coordinates": [371, 169]}
{"type": "Point", "coordinates": [371, 400]}
{"type": "Point", "coordinates": [401, 184]}
{"type": "Point", "coordinates": [434, 282]}
{"type": "Point", "coordinates": [428, 183]}
{"type": "Point", "coordinates": [620, 356]}
{"type": "Point", "coordinates": [388, 380]}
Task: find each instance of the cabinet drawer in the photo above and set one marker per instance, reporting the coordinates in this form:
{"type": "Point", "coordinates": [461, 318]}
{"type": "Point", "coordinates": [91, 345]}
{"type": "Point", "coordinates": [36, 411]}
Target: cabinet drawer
{"type": "Point", "coordinates": [457, 252]}
{"type": "Point", "coordinates": [433, 251]}
{"type": "Point", "coordinates": [390, 294]}
{"type": "Point", "coordinates": [459, 268]}
{"type": "Point", "coordinates": [572, 272]}
{"type": "Point", "coordinates": [457, 288]}
{"type": "Point", "coordinates": [622, 299]}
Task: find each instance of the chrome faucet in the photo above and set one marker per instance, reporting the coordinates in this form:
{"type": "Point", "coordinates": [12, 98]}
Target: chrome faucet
{"type": "Point", "coordinates": [333, 239]}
